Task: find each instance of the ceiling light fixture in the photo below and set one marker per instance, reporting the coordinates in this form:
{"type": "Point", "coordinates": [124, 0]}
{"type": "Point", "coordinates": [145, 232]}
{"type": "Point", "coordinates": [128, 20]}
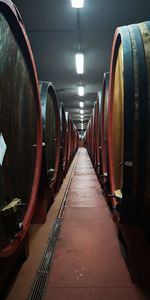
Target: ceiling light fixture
{"type": "Point", "coordinates": [79, 63]}
{"type": "Point", "coordinates": [81, 111]}
{"type": "Point", "coordinates": [81, 126]}
{"type": "Point", "coordinates": [81, 90]}
{"type": "Point", "coordinates": [81, 103]}
{"type": "Point", "coordinates": [77, 3]}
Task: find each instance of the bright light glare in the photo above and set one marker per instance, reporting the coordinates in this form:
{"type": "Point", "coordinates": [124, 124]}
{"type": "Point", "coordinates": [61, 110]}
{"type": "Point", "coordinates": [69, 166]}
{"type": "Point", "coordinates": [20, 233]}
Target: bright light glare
{"type": "Point", "coordinates": [81, 111]}
{"type": "Point", "coordinates": [77, 3]}
{"type": "Point", "coordinates": [79, 63]}
{"type": "Point", "coordinates": [81, 103]}
{"type": "Point", "coordinates": [81, 126]}
{"type": "Point", "coordinates": [81, 90]}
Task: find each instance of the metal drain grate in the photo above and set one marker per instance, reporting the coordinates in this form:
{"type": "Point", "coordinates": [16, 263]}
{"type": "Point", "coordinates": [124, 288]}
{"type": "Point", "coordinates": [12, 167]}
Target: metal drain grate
{"type": "Point", "coordinates": [37, 293]}
{"type": "Point", "coordinates": [39, 283]}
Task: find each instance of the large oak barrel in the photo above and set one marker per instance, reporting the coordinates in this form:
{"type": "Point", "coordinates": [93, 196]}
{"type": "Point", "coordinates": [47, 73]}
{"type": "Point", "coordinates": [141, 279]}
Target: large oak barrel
{"type": "Point", "coordinates": [104, 128]}
{"type": "Point", "coordinates": [129, 122]}
{"type": "Point", "coordinates": [68, 133]}
{"type": "Point", "coordinates": [63, 125]}
{"type": "Point", "coordinates": [74, 140]}
{"type": "Point", "coordinates": [63, 148]}
{"type": "Point", "coordinates": [51, 134]}
{"type": "Point", "coordinates": [95, 135]}
{"type": "Point", "coordinates": [88, 137]}
{"type": "Point", "coordinates": [92, 154]}
{"type": "Point", "coordinates": [98, 133]}
{"type": "Point", "coordinates": [20, 131]}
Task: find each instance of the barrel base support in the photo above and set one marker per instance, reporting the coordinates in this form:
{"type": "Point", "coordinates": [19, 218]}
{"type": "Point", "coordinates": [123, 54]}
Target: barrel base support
{"type": "Point", "coordinates": [44, 201]}
{"type": "Point", "coordinates": [10, 265]}
{"type": "Point", "coordinates": [137, 248]}
{"type": "Point", "coordinates": [59, 181]}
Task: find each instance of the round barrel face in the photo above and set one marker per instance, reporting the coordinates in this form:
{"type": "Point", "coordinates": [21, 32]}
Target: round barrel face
{"type": "Point", "coordinates": [64, 137]}
{"type": "Point", "coordinates": [94, 134]}
{"type": "Point", "coordinates": [118, 122]}
{"type": "Point", "coordinates": [129, 121]}
{"type": "Point", "coordinates": [50, 134]}
{"type": "Point", "coordinates": [104, 125]}
{"type": "Point", "coordinates": [98, 133]}
{"type": "Point", "coordinates": [18, 116]}
{"type": "Point", "coordinates": [68, 122]}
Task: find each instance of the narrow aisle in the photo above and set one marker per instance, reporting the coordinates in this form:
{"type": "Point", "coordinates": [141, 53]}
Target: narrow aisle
{"type": "Point", "coordinates": [87, 263]}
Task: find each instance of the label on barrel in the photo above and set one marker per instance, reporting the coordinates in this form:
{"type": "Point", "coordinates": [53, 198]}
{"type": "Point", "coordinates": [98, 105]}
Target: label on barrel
{"type": "Point", "coordinates": [3, 148]}
{"type": "Point", "coordinates": [128, 163]}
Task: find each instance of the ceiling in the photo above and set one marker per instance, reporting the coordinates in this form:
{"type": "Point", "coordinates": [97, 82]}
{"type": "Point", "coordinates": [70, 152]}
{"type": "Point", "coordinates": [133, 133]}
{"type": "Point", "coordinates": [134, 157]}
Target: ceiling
{"type": "Point", "coordinates": [55, 30]}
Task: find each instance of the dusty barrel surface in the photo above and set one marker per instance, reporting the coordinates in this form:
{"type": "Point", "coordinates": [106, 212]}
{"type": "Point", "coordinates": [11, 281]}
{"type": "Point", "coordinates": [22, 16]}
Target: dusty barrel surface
{"type": "Point", "coordinates": [63, 125]}
{"type": "Point", "coordinates": [68, 132]}
{"type": "Point", "coordinates": [51, 133]}
{"type": "Point", "coordinates": [88, 137]}
{"type": "Point", "coordinates": [129, 121]}
{"type": "Point", "coordinates": [98, 133]}
{"type": "Point", "coordinates": [104, 126]}
{"type": "Point", "coordinates": [92, 137]}
{"type": "Point", "coordinates": [20, 130]}
{"type": "Point", "coordinates": [95, 128]}
{"type": "Point", "coordinates": [74, 139]}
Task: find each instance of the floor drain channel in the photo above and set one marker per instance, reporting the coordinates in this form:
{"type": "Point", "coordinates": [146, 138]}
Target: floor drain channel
{"type": "Point", "coordinates": [39, 283]}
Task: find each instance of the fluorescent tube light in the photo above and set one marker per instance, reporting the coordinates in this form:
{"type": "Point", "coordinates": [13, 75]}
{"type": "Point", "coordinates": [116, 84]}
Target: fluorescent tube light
{"type": "Point", "coordinates": [81, 90]}
{"type": "Point", "coordinates": [81, 126]}
{"type": "Point", "coordinates": [81, 111]}
{"type": "Point", "coordinates": [77, 3]}
{"type": "Point", "coordinates": [79, 63]}
{"type": "Point", "coordinates": [81, 103]}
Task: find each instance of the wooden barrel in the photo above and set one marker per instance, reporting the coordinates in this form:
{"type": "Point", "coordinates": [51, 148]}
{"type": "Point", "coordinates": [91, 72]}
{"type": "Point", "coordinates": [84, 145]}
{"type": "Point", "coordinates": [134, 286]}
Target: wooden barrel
{"type": "Point", "coordinates": [92, 137]}
{"type": "Point", "coordinates": [86, 138]}
{"type": "Point", "coordinates": [68, 132]}
{"type": "Point", "coordinates": [20, 131]}
{"type": "Point", "coordinates": [129, 122]}
{"type": "Point", "coordinates": [51, 133]}
{"type": "Point", "coordinates": [98, 134]}
{"type": "Point", "coordinates": [89, 138]}
{"type": "Point", "coordinates": [63, 125]}
{"type": "Point", "coordinates": [95, 119]}
{"type": "Point", "coordinates": [104, 128]}
{"type": "Point", "coordinates": [74, 140]}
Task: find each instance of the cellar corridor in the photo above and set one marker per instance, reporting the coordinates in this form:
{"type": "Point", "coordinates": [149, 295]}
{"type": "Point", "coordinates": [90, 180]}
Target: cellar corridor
{"type": "Point", "coordinates": [87, 262]}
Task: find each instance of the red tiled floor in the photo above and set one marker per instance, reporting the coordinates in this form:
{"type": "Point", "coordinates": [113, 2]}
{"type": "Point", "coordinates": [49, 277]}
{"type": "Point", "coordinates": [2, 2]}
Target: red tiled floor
{"type": "Point", "coordinates": [88, 268]}
{"type": "Point", "coordinates": [95, 294]}
{"type": "Point", "coordinates": [87, 263]}
{"type": "Point", "coordinates": [77, 199]}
